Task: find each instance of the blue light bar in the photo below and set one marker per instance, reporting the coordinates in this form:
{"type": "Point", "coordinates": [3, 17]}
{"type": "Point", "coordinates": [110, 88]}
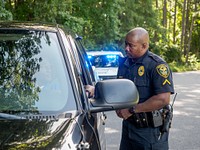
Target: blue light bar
{"type": "Point", "coordinates": [89, 56]}
{"type": "Point", "coordinates": [111, 56]}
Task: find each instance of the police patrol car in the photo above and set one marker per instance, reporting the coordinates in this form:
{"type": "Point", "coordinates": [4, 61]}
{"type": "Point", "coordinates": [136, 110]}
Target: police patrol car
{"type": "Point", "coordinates": [105, 63]}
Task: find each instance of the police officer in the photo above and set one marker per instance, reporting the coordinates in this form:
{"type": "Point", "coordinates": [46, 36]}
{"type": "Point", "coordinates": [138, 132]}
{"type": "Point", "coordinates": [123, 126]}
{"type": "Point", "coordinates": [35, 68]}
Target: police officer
{"type": "Point", "coordinates": [153, 79]}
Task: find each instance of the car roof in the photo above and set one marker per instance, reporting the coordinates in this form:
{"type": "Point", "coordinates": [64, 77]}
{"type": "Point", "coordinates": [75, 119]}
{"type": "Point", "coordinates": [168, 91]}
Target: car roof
{"type": "Point", "coordinates": [32, 26]}
{"type": "Point", "coordinates": [96, 53]}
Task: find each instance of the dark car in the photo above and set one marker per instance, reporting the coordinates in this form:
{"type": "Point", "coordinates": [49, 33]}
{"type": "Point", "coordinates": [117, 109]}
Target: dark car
{"type": "Point", "coordinates": [43, 102]}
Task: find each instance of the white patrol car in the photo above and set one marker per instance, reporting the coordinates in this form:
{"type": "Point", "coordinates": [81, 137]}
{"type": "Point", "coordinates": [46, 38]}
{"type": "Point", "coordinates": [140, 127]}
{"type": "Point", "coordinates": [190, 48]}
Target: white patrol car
{"type": "Point", "coordinates": [105, 63]}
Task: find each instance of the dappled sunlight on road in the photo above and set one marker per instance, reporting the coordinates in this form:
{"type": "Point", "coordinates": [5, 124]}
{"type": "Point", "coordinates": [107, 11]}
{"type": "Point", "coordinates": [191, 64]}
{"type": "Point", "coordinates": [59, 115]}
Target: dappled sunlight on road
{"type": "Point", "coordinates": [113, 131]}
{"type": "Point", "coordinates": [185, 133]}
{"type": "Point", "coordinates": [197, 117]}
{"type": "Point", "coordinates": [181, 113]}
{"type": "Point", "coordinates": [110, 130]}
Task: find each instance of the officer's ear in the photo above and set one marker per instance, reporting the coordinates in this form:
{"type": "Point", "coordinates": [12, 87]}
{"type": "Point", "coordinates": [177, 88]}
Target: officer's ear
{"type": "Point", "coordinates": [145, 46]}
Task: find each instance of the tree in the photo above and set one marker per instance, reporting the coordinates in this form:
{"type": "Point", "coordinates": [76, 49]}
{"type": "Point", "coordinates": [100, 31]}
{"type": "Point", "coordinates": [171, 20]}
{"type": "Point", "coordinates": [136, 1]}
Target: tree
{"type": "Point", "coordinates": [193, 17]}
{"type": "Point", "coordinates": [101, 22]}
{"type": "Point", "coordinates": [4, 14]}
{"type": "Point", "coordinates": [165, 13]}
{"type": "Point", "coordinates": [183, 24]}
{"type": "Point", "coordinates": [174, 24]}
{"type": "Point", "coordinates": [144, 13]}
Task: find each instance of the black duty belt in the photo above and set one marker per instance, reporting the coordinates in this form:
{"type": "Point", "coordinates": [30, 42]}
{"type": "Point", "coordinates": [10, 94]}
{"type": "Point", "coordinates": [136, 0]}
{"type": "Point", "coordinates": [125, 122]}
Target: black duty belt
{"type": "Point", "coordinates": [147, 119]}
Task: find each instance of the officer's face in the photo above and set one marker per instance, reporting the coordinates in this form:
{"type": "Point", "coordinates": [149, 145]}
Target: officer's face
{"type": "Point", "coordinates": [134, 48]}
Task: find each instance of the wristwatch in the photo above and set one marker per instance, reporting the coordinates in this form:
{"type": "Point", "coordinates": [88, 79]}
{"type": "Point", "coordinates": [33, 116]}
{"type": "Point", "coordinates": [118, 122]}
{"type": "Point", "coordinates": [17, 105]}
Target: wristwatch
{"type": "Point", "coordinates": [132, 110]}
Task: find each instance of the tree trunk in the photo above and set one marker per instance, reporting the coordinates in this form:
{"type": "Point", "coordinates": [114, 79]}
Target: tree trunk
{"type": "Point", "coordinates": [155, 32]}
{"type": "Point", "coordinates": [174, 28]}
{"type": "Point", "coordinates": [183, 24]}
{"type": "Point", "coordinates": [156, 3]}
{"type": "Point", "coordinates": [191, 29]}
{"type": "Point", "coordinates": [165, 13]}
{"type": "Point", "coordinates": [186, 53]}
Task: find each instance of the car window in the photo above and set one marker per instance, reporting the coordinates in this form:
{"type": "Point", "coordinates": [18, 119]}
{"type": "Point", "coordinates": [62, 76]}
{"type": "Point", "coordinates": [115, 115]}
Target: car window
{"type": "Point", "coordinates": [81, 61]}
{"type": "Point", "coordinates": [33, 72]}
{"type": "Point", "coordinates": [88, 73]}
{"type": "Point", "coordinates": [78, 71]}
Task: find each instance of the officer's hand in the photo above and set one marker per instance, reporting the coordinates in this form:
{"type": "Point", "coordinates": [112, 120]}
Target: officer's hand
{"type": "Point", "coordinates": [125, 113]}
{"type": "Point", "coordinates": [89, 90]}
{"type": "Point", "coordinates": [119, 113]}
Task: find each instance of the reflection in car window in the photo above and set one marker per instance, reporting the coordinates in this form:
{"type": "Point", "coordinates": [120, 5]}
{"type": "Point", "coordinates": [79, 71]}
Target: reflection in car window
{"type": "Point", "coordinates": [33, 74]}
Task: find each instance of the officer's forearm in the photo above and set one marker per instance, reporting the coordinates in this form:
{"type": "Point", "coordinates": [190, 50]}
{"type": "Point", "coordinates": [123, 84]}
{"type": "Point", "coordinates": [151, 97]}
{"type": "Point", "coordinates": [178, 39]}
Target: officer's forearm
{"type": "Point", "coordinates": [154, 103]}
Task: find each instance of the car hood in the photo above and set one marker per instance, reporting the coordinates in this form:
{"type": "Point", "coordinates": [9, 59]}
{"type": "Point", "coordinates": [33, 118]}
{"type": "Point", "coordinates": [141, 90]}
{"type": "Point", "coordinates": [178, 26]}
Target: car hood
{"type": "Point", "coordinates": [34, 134]}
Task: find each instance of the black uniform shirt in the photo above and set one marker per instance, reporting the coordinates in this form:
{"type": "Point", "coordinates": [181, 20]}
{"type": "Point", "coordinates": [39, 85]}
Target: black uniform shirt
{"type": "Point", "coordinates": [150, 73]}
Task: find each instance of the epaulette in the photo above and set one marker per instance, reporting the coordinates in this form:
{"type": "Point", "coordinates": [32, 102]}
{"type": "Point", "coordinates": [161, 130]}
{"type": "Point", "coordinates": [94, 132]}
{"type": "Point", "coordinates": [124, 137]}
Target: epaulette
{"type": "Point", "coordinates": [156, 57]}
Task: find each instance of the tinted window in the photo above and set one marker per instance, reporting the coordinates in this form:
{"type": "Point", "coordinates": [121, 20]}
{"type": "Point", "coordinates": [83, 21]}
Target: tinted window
{"type": "Point", "coordinates": [33, 72]}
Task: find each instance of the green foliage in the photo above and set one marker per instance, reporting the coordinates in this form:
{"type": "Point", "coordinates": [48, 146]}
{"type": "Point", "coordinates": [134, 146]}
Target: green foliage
{"type": "Point", "coordinates": [195, 48]}
{"type": "Point", "coordinates": [74, 23]}
{"type": "Point", "coordinates": [172, 53]}
{"type": "Point", "coordinates": [102, 20]}
{"type": "Point", "coordinates": [158, 49]}
{"type": "Point", "coordinates": [193, 61]}
{"type": "Point", "coordinates": [138, 13]}
{"type": "Point", "coordinates": [102, 23]}
{"type": "Point", "coordinates": [4, 14]}
{"type": "Point", "coordinates": [193, 64]}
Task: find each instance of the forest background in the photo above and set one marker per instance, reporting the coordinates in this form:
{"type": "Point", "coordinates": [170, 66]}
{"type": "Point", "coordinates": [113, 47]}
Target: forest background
{"type": "Point", "coordinates": [173, 25]}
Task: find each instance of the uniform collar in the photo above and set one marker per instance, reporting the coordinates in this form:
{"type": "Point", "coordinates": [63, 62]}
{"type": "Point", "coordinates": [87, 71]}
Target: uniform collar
{"type": "Point", "coordinates": [130, 61]}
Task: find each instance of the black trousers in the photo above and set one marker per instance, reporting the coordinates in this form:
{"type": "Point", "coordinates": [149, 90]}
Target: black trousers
{"type": "Point", "coordinates": [149, 138]}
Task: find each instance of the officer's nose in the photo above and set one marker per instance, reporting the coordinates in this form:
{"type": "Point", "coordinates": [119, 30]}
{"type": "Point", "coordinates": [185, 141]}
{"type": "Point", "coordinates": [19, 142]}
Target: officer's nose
{"type": "Point", "coordinates": [127, 48]}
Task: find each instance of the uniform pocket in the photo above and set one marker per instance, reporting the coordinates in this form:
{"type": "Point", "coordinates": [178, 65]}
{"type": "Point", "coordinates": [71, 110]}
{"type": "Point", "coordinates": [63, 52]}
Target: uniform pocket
{"type": "Point", "coordinates": [141, 82]}
{"type": "Point", "coordinates": [143, 88]}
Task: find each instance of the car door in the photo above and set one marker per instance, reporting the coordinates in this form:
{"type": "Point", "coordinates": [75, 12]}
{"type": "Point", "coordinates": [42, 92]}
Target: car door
{"type": "Point", "coordinates": [84, 76]}
{"type": "Point", "coordinates": [89, 76]}
{"type": "Point", "coordinates": [92, 124]}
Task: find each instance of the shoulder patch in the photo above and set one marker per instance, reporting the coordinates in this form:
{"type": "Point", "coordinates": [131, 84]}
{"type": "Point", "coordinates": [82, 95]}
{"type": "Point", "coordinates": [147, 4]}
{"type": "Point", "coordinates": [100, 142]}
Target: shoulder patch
{"type": "Point", "coordinates": [163, 70]}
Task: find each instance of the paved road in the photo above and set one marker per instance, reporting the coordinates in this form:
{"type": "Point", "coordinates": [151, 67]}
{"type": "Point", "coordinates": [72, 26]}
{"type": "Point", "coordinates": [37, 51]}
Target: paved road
{"type": "Point", "coordinates": [185, 131]}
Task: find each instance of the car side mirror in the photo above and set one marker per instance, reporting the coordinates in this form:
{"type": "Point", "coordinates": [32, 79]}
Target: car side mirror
{"type": "Point", "coordinates": [114, 94]}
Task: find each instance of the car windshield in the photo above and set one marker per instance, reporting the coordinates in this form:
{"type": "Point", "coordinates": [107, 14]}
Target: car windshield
{"type": "Point", "coordinates": [104, 60]}
{"type": "Point", "coordinates": [33, 76]}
